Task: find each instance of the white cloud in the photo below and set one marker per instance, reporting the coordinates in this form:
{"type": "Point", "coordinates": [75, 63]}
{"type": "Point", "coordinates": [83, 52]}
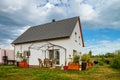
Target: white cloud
{"type": "Point", "coordinates": [8, 40]}
{"type": "Point", "coordinates": [85, 11]}
{"type": "Point", "coordinates": [10, 6]}
{"type": "Point", "coordinates": [10, 47]}
{"type": "Point", "coordinates": [32, 12]}
{"type": "Point", "coordinates": [109, 13]}
{"type": "Point", "coordinates": [7, 44]}
{"type": "Point", "coordinates": [19, 31]}
{"type": "Point", "coordinates": [103, 46]}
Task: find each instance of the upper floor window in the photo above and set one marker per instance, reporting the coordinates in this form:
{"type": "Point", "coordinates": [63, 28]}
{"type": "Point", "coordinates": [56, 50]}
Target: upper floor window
{"type": "Point", "coordinates": [74, 52]}
{"type": "Point", "coordinates": [75, 36]}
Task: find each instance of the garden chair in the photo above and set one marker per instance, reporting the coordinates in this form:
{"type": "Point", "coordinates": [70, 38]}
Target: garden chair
{"type": "Point", "coordinates": [46, 62]}
{"type": "Point", "coordinates": [52, 63]}
{"type": "Point", "coordinates": [40, 62]}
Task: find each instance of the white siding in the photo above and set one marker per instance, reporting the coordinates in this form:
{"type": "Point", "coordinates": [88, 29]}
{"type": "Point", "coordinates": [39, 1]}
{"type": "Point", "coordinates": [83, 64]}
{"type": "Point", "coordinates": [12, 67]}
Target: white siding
{"type": "Point", "coordinates": [35, 54]}
{"type": "Point", "coordinates": [76, 45]}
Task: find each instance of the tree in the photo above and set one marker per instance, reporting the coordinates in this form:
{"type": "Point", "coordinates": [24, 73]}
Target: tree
{"type": "Point", "coordinates": [90, 53]}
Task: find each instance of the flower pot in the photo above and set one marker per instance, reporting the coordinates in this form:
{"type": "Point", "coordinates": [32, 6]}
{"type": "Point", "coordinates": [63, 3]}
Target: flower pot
{"type": "Point", "coordinates": [65, 67]}
{"type": "Point", "coordinates": [70, 67]}
{"type": "Point", "coordinates": [76, 66]}
{"type": "Point", "coordinates": [84, 65]}
{"type": "Point", "coordinates": [22, 64]}
{"type": "Point", "coordinates": [73, 66]}
{"type": "Point", "coordinates": [17, 63]}
{"type": "Point", "coordinates": [92, 64]}
{"type": "Point", "coordinates": [27, 66]}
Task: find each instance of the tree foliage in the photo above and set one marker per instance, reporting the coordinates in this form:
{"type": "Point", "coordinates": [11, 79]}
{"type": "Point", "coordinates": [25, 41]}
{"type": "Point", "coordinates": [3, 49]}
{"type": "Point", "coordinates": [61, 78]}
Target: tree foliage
{"type": "Point", "coordinates": [115, 63]}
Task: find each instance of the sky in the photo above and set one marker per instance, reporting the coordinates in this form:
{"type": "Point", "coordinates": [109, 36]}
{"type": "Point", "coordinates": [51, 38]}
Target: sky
{"type": "Point", "coordinates": [100, 20]}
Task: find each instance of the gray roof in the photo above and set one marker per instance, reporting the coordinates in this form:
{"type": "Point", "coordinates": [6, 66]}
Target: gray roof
{"type": "Point", "coordinates": [49, 31]}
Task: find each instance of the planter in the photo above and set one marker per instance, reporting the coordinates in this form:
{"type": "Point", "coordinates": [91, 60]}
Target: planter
{"type": "Point", "coordinates": [17, 63]}
{"type": "Point", "coordinates": [73, 66]}
{"type": "Point", "coordinates": [92, 64]}
{"type": "Point", "coordinates": [65, 67]}
{"type": "Point", "coordinates": [84, 65]}
{"type": "Point", "coordinates": [23, 64]}
{"type": "Point", "coordinates": [88, 66]}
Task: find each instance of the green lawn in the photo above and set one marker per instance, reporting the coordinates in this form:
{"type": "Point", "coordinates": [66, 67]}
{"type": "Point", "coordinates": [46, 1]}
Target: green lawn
{"type": "Point", "coordinates": [95, 73]}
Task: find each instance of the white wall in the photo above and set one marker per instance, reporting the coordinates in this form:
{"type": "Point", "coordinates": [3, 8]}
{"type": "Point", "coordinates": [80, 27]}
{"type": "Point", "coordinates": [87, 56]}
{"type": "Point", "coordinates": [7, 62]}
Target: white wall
{"type": "Point", "coordinates": [76, 45]}
{"type": "Point", "coordinates": [35, 54]}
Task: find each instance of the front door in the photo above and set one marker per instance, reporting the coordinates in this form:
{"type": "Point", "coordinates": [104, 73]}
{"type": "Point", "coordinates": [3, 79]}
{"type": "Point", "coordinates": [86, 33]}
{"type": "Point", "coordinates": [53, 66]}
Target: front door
{"type": "Point", "coordinates": [55, 55]}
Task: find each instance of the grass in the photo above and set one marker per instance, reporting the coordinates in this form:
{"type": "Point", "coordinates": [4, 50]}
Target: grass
{"type": "Point", "coordinates": [95, 73]}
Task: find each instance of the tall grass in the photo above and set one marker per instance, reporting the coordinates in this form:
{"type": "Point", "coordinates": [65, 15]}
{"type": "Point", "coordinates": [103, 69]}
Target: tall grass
{"type": "Point", "coordinates": [95, 73]}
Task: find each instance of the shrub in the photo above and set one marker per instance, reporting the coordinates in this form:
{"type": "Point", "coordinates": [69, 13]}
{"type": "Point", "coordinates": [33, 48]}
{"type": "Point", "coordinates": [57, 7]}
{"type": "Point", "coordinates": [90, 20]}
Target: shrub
{"type": "Point", "coordinates": [101, 63]}
{"type": "Point", "coordinates": [115, 63]}
{"type": "Point", "coordinates": [86, 58]}
{"type": "Point", "coordinates": [76, 59]}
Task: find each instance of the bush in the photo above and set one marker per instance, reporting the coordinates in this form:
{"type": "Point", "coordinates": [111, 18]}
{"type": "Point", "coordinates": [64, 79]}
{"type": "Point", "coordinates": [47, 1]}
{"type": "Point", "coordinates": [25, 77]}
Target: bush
{"type": "Point", "coordinates": [86, 58]}
{"type": "Point", "coordinates": [101, 63]}
{"type": "Point", "coordinates": [76, 59]}
{"type": "Point", "coordinates": [115, 63]}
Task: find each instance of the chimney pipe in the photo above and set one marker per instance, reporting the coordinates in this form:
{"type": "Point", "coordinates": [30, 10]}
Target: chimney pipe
{"type": "Point", "coordinates": [53, 20]}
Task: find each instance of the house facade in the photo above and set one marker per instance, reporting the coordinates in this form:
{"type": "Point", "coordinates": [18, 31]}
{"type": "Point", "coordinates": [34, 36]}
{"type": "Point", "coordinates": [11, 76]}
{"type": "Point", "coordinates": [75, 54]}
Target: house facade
{"type": "Point", "coordinates": [58, 40]}
{"type": "Point", "coordinates": [8, 53]}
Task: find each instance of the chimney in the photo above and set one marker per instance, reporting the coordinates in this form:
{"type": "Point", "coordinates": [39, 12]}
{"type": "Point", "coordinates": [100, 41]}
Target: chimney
{"type": "Point", "coordinates": [53, 20]}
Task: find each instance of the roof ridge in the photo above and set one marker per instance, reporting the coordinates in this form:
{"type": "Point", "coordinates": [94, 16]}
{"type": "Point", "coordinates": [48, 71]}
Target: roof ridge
{"type": "Point", "coordinates": [54, 22]}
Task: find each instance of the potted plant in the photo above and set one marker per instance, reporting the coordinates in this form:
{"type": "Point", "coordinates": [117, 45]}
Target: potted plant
{"type": "Point", "coordinates": [76, 59]}
{"type": "Point", "coordinates": [19, 57]}
{"type": "Point", "coordinates": [84, 61]}
{"type": "Point", "coordinates": [26, 57]}
{"type": "Point", "coordinates": [21, 62]}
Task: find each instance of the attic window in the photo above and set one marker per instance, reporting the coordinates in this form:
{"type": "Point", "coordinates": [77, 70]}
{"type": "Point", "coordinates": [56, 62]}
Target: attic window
{"type": "Point", "coordinates": [75, 36]}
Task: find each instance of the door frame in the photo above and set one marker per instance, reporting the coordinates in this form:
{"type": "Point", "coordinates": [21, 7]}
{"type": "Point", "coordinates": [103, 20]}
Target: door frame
{"type": "Point", "coordinates": [54, 55]}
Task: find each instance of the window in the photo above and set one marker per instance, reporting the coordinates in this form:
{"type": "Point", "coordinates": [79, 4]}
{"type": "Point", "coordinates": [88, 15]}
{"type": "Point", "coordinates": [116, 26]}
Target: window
{"type": "Point", "coordinates": [74, 52]}
{"type": "Point", "coordinates": [75, 36]}
{"type": "Point", "coordinates": [57, 56]}
{"type": "Point", "coordinates": [51, 54]}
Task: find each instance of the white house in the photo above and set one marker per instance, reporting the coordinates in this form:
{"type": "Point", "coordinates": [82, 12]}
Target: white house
{"type": "Point", "coordinates": [57, 40]}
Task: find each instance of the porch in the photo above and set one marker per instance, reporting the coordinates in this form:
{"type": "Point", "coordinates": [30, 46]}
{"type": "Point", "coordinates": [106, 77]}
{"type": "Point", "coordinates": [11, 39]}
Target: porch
{"type": "Point", "coordinates": [50, 55]}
